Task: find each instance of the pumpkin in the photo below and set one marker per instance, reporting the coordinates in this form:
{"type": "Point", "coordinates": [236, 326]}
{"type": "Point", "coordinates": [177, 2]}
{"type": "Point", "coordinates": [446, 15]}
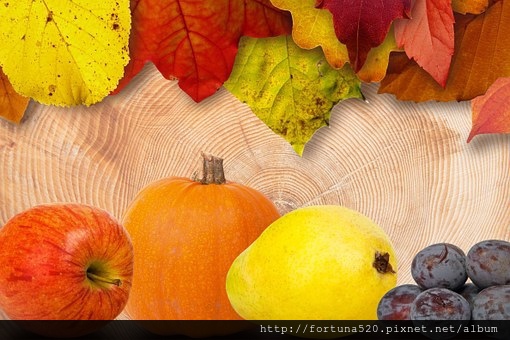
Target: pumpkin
{"type": "Point", "coordinates": [186, 234]}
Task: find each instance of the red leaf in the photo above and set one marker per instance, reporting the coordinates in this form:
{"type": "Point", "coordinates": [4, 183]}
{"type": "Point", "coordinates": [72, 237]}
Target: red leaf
{"type": "Point", "coordinates": [196, 41]}
{"type": "Point", "coordinates": [363, 24]}
{"type": "Point", "coordinates": [428, 37]}
{"type": "Point", "coordinates": [491, 112]}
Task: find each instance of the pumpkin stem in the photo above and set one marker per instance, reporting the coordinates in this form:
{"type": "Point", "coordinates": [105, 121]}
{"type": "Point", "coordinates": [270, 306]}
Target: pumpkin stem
{"type": "Point", "coordinates": [212, 170]}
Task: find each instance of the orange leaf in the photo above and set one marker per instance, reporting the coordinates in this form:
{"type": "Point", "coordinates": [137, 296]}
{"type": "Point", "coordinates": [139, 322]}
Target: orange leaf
{"type": "Point", "coordinates": [12, 105]}
{"type": "Point", "coordinates": [482, 47]}
{"type": "Point", "coordinates": [470, 6]}
{"type": "Point", "coordinates": [491, 112]}
{"type": "Point", "coordinates": [428, 36]}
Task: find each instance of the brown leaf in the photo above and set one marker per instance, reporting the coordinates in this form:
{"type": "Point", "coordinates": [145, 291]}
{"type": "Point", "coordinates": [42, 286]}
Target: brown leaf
{"type": "Point", "coordinates": [482, 47]}
{"type": "Point", "coordinates": [491, 112]}
{"type": "Point", "coordinates": [12, 105]}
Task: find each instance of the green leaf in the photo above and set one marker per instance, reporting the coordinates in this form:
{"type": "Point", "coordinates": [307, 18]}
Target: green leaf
{"type": "Point", "coordinates": [290, 89]}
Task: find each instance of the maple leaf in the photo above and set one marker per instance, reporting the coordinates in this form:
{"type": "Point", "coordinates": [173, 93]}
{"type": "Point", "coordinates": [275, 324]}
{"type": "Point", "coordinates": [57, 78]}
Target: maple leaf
{"type": "Point", "coordinates": [482, 47]}
{"type": "Point", "coordinates": [491, 111]}
{"type": "Point", "coordinates": [290, 89]}
{"type": "Point", "coordinates": [428, 37]}
{"type": "Point", "coordinates": [12, 105]}
{"type": "Point", "coordinates": [64, 52]}
{"type": "Point", "coordinates": [197, 41]}
{"type": "Point", "coordinates": [362, 25]}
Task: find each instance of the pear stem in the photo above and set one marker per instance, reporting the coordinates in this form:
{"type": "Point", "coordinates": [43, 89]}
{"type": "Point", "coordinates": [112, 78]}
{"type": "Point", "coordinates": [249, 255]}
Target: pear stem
{"type": "Point", "coordinates": [382, 263]}
{"type": "Point", "coordinates": [97, 278]}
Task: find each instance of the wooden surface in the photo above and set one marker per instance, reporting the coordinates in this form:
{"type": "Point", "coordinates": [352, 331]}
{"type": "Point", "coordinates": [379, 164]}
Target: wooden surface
{"type": "Point", "coordinates": [407, 166]}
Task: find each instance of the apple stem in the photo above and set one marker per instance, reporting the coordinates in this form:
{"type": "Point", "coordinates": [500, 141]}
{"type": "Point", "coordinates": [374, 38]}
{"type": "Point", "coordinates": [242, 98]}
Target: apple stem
{"type": "Point", "coordinates": [97, 278]}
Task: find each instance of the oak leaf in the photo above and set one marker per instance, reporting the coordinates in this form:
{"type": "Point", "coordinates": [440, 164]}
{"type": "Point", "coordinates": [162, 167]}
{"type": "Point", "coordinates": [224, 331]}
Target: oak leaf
{"type": "Point", "coordinates": [374, 69]}
{"type": "Point", "coordinates": [482, 47]}
{"type": "Point", "coordinates": [313, 27]}
{"type": "Point", "coordinates": [64, 52]}
{"type": "Point", "coordinates": [197, 41]}
{"type": "Point", "coordinates": [491, 111]}
{"type": "Point", "coordinates": [362, 25]}
{"type": "Point", "coordinates": [12, 105]}
{"type": "Point", "coordinates": [428, 36]}
{"type": "Point", "coordinates": [290, 89]}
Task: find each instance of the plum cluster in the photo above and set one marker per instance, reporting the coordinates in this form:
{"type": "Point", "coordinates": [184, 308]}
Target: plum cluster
{"type": "Point", "coordinates": [443, 292]}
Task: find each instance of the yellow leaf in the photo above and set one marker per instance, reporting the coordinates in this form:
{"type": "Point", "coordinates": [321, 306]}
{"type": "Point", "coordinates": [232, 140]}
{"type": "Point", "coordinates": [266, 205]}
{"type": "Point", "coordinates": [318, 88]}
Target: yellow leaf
{"type": "Point", "coordinates": [312, 27]}
{"type": "Point", "coordinates": [374, 69]}
{"type": "Point", "coordinates": [63, 52]}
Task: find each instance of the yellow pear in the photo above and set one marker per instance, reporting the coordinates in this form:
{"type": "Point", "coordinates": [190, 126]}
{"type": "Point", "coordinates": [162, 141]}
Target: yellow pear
{"type": "Point", "coordinates": [325, 262]}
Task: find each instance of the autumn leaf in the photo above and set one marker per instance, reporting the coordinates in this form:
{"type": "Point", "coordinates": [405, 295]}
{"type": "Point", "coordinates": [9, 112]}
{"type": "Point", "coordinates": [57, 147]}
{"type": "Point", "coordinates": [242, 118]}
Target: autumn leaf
{"type": "Point", "coordinates": [470, 6]}
{"type": "Point", "coordinates": [374, 69]}
{"type": "Point", "coordinates": [12, 105]}
{"type": "Point", "coordinates": [197, 41]}
{"type": "Point", "coordinates": [313, 27]}
{"type": "Point", "coordinates": [428, 37]}
{"type": "Point", "coordinates": [262, 19]}
{"type": "Point", "coordinates": [290, 89]}
{"type": "Point", "coordinates": [64, 52]}
{"type": "Point", "coordinates": [482, 47]}
{"type": "Point", "coordinates": [362, 25]}
{"type": "Point", "coordinates": [491, 111]}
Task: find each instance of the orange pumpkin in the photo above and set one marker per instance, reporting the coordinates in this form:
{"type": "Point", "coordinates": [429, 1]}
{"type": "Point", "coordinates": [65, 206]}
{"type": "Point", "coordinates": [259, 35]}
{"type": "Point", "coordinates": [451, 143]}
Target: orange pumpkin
{"type": "Point", "coordinates": [185, 236]}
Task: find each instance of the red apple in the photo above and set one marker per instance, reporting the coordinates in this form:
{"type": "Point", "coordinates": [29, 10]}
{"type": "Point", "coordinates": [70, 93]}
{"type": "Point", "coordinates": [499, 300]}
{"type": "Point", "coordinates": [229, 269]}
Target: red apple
{"type": "Point", "coordinates": [64, 262]}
